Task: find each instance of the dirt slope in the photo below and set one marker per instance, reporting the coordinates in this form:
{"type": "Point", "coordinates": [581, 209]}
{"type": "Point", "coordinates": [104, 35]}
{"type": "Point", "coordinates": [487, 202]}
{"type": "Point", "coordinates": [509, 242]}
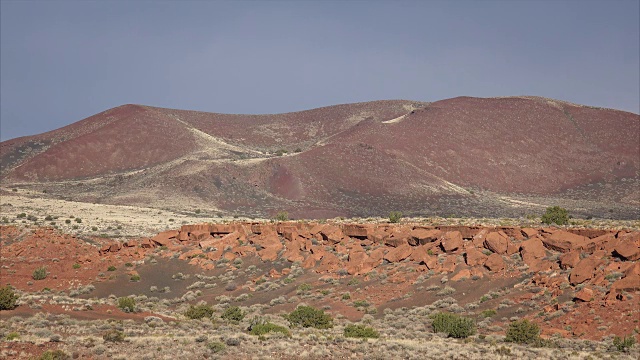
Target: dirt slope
{"type": "Point", "coordinates": [459, 156]}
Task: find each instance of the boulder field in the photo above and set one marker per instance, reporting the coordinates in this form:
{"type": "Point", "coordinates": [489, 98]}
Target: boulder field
{"type": "Point", "coordinates": [587, 259]}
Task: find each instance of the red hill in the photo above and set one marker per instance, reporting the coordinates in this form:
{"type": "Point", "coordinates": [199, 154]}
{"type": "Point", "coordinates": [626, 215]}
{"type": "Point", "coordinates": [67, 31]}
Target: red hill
{"type": "Point", "coordinates": [464, 156]}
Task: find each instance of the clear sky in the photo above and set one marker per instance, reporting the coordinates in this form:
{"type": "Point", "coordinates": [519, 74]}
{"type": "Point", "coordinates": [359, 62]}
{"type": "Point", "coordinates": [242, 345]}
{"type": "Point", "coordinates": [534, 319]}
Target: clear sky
{"type": "Point", "coordinates": [62, 61]}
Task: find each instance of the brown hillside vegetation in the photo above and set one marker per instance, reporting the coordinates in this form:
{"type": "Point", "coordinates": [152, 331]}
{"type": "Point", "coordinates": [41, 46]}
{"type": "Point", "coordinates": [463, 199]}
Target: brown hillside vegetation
{"type": "Point", "coordinates": [464, 156]}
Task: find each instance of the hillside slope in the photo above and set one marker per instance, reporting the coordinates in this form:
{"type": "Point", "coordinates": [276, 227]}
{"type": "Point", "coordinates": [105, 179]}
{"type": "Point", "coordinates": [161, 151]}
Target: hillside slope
{"type": "Point", "coordinates": [465, 156]}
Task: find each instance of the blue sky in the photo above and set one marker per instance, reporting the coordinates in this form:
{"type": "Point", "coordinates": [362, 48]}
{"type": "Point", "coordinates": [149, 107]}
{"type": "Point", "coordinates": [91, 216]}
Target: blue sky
{"type": "Point", "coordinates": [62, 61]}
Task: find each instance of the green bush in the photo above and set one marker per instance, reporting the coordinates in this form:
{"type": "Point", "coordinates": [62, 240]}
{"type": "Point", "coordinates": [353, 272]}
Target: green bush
{"type": "Point", "coordinates": [488, 313]}
{"type": "Point", "coordinates": [8, 298]}
{"type": "Point", "coordinates": [282, 216]}
{"type": "Point", "coordinates": [233, 313]}
{"type": "Point", "coordinates": [262, 328]}
{"type": "Point", "coordinates": [39, 273]}
{"type": "Point", "coordinates": [127, 304]}
{"type": "Point", "coordinates": [54, 355]}
{"type": "Point", "coordinates": [395, 216]}
{"type": "Point", "coordinates": [555, 215]}
{"type": "Point", "coordinates": [216, 347]}
{"type": "Point", "coordinates": [78, 220]}
{"type": "Point", "coordinates": [199, 312]}
{"type": "Point", "coordinates": [624, 344]}
{"type": "Point", "coordinates": [77, 266]}
{"type": "Point", "coordinates": [308, 316]}
{"type": "Point", "coordinates": [135, 277]}
{"type": "Point", "coordinates": [523, 332]}
{"type": "Point", "coordinates": [111, 268]}
{"type": "Point", "coordinates": [360, 331]}
{"type": "Point", "coordinates": [453, 325]}
{"type": "Point", "coordinates": [113, 335]}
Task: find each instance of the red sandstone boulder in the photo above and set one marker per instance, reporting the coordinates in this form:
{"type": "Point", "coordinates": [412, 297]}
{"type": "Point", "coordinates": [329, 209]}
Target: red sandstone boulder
{"type": "Point", "coordinates": [449, 264]}
{"type": "Point", "coordinates": [627, 250]}
{"type": "Point", "coordinates": [164, 238]}
{"type": "Point", "coordinates": [496, 242]}
{"type": "Point", "coordinates": [494, 262]}
{"type": "Point", "coordinates": [198, 235]}
{"type": "Point", "coordinates": [462, 275]}
{"type": "Point", "coordinates": [419, 254]}
{"type": "Point", "coordinates": [564, 241]}
{"type": "Point", "coordinates": [377, 254]}
{"type": "Point", "coordinates": [569, 260]}
{"type": "Point", "coordinates": [452, 241]}
{"type": "Point", "coordinates": [421, 236]}
{"type": "Point", "coordinates": [629, 283]}
{"type": "Point", "coordinates": [268, 254]}
{"type": "Point", "coordinates": [531, 250]}
{"type": "Point", "coordinates": [332, 234]}
{"type": "Point", "coordinates": [208, 242]}
{"type": "Point", "coordinates": [584, 270]}
{"type": "Point", "coordinates": [606, 242]}
{"type": "Point", "coordinates": [584, 295]}
{"type": "Point", "coordinates": [398, 254]}
{"type": "Point", "coordinates": [293, 255]}
{"type": "Point", "coordinates": [357, 230]}
{"type": "Point", "coordinates": [330, 263]}
{"type": "Point", "coordinates": [475, 257]}
{"type": "Point", "coordinates": [478, 239]}
{"type": "Point", "coordinates": [529, 232]}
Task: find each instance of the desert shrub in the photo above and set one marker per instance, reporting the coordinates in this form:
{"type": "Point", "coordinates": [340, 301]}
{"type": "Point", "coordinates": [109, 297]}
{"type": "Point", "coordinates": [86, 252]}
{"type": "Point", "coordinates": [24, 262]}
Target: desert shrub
{"type": "Point", "coordinates": [78, 220]}
{"type": "Point", "coordinates": [623, 344]}
{"type": "Point", "coordinates": [282, 216]}
{"type": "Point", "coordinates": [453, 325]}
{"type": "Point", "coordinates": [488, 313]}
{"type": "Point", "coordinates": [304, 287]}
{"type": "Point", "coordinates": [395, 216]}
{"type": "Point", "coordinates": [12, 336]}
{"type": "Point", "coordinates": [233, 313]}
{"type": "Point", "coordinates": [8, 298]}
{"type": "Point", "coordinates": [360, 331]}
{"type": "Point", "coordinates": [262, 328]}
{"type": "Point", "coordinates": [360, 303]}
{"type": "Point", "coordinates": [68, 221]}
{"type": "Point", "coordinates": [346, 296]}
{"type": "Point", "coordinates": [127, 304]}
{"type": "Point", "coordinates": [216, 347]}
{"type": "Point", "coordinates": [113, 335]}
{"type": "Point", "coordinates": [77, 266]}
{"type": "Point", "coordinates": [523, 332]}
{"type": "Point", "coordinates": [308, 316]}
{"type": "Point", "coordinates": [135, 277]}
{"type": "Point", "coordinates": [21, 215]}
{"type": "Point", "coordinates": [555, 215]}
{"type": "Point", "coordinates": [54, 355]}
{"type": "Point", "coordinates": [48, 218]}
{"type": "Point", "coordinates": [39, 273]}
{"type": "Point", "coordinates": [199, 312]}
{"type": "Point", "coordinates": [111, 268]}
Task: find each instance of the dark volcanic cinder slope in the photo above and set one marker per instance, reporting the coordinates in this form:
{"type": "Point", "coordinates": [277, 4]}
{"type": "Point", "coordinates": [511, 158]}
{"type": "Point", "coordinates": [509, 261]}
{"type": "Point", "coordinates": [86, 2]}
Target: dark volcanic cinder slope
{"type": "Point", "coordinates": [464, 156]}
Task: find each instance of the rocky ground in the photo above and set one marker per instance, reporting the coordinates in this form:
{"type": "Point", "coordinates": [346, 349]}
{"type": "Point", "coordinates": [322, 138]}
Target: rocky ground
{"type": "Point", "coordinates": [580, 284]}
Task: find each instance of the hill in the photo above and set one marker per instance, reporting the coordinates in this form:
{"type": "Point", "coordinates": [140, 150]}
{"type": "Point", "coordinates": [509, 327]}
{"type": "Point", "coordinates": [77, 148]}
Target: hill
{"type": "Point", "coordinates": [462, 156]}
